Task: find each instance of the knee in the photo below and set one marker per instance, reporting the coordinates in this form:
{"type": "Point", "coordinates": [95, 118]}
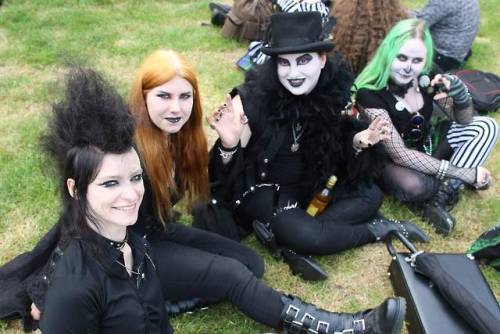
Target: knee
{"type": "Point", "coordinates": [230, 271]}
{"type": "Point", "coordinates": [487, 128]}
{"type": "Point", "coordinates": [255, 263]}
{"type": "Point", "coordinates": [415, 190]}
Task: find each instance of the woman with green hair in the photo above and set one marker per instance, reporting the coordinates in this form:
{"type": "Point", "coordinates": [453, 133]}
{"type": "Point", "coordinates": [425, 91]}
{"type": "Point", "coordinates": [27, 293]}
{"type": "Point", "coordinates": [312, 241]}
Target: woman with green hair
{"type": "Point", "coordinates": [426, 169]}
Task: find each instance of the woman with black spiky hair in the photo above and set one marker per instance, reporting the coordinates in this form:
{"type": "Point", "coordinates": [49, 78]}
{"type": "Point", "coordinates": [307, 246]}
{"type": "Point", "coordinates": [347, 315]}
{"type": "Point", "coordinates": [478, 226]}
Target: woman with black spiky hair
{"type": "Point", "coordinates": [102, 278]}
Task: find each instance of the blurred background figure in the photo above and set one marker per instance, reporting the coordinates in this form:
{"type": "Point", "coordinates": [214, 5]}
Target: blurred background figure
{"type": "Point", "coordinates": [454, 26]}
{"type": "Point", "coordinates": [357, 39]}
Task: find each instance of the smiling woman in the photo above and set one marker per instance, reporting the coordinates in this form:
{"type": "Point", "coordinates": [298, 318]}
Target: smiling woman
{"type": "Point", "coordinates": [100, 277]}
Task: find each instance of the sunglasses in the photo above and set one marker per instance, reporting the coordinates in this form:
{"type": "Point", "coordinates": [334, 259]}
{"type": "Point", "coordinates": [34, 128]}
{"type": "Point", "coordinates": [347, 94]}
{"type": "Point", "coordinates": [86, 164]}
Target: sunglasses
{"type": "Point", "coordinates": [417, 121]}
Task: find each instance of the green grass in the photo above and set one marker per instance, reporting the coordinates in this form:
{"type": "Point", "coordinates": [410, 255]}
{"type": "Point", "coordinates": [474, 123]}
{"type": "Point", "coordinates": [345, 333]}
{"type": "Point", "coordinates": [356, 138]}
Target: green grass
{"type": "Point", "coordinates": [37, 39]}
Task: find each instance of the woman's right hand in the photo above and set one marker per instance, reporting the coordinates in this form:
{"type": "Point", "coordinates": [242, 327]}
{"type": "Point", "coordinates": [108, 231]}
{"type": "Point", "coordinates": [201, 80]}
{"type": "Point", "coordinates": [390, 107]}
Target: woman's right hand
{"type": "Point", "coordinates": [483, 178]}
{"type": "Point", "coordinates": [229, 123]}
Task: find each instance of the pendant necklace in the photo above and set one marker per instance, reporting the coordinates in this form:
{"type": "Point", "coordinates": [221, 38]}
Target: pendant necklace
{"type": "Point", "coordinates": [297, 131]}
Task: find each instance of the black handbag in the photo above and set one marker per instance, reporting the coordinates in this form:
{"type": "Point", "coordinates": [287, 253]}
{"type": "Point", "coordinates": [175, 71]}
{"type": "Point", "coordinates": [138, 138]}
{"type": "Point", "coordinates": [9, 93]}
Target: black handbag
{"type": "Point", "coordinates": [456, 300]}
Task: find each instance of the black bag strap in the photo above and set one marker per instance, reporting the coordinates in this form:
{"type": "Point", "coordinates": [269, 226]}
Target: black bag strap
{"type": "Point", "coordinates": [390, 247]}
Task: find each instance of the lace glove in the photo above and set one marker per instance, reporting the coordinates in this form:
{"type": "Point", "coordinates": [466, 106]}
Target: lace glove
{"type": "Point", "coordinates": [458, 91]}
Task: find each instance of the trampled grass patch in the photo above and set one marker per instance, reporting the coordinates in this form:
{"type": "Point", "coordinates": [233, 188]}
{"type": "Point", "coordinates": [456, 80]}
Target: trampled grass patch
{"type": "Point", "coordinates": [37, 39]}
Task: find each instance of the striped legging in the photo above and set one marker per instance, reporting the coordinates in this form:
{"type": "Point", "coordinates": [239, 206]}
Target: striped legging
{"type": "Point", "coordinates": [472, 143]}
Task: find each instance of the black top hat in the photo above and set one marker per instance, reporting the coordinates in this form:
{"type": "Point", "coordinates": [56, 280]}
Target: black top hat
{"type": "Point", "coordinates": [296, 32]}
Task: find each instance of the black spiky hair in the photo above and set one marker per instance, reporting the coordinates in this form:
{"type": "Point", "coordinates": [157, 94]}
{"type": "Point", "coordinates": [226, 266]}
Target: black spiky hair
{"type": "Point", "coordinates": [91, 115]}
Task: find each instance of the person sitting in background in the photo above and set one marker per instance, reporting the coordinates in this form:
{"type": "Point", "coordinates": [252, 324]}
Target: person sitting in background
{"type": "Point", "coordinates": [357, 39]}
{"type": "Point", "coordinates": [453, 26]}
{"type": "Point", "coordinates": [428, 166]}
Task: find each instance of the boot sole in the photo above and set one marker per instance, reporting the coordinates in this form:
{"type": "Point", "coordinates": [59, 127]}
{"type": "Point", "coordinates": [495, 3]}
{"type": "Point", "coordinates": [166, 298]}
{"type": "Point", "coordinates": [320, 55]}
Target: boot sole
{"type": "Point", "coordinates": [307, 269]}
{"type": "Point", "coordinates": [434, 215]}
{"type": "Point", "coordinates": [400, 315]}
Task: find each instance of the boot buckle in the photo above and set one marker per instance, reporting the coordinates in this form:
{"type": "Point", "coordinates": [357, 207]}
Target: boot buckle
{"type": "Point", "coordinates": [324, 327]}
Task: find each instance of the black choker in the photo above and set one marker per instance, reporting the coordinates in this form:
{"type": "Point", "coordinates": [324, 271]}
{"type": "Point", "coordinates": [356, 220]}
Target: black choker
{"type": "Point", "coordinates": [118, 244]}
{"type": "Point", "coordinates": [399, 90]}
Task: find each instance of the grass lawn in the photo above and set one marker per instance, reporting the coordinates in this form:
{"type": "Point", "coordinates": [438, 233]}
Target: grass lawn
{"type": "Point", "coordinates": [37, 37]}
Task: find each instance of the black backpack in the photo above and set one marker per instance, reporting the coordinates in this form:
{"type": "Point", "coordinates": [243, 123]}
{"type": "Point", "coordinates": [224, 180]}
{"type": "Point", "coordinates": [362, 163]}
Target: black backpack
{"type": "Point", "coordinates": [484, 89]}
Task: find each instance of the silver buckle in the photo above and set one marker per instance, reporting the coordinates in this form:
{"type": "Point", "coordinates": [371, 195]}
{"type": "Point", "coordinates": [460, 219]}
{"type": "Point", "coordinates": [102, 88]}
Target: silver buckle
{"type": "Point", "coordinates": [308, 316]}
{"type": "Point", "coordinates": [293, 308]}
{"type": "Point", "coordinates": [323, 323]}
{"type": "Point", "coordinates": [361, 322]}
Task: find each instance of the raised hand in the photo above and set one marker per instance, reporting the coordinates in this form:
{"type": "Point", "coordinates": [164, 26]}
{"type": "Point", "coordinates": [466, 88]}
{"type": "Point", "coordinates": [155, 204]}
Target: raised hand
{"type": "Point", "coordinates": [228, 122]}
{"type": "Point", "coordinates": [451, 86]}
{"type": "Point", "coordinates": [379, 130]}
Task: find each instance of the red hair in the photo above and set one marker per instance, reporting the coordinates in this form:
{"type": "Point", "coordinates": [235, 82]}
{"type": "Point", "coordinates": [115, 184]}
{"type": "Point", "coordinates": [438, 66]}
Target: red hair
{"type": "Point", "coordinates": [185, 152]}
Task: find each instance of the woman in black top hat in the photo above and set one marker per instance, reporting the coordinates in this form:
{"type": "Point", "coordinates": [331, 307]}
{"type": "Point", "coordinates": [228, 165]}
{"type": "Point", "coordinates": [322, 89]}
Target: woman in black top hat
{"type": "Point", "coordinates": [268, 164]}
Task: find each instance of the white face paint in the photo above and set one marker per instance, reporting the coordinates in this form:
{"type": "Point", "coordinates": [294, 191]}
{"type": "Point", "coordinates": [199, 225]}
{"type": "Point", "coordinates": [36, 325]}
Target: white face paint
{"type": "Point", "coordinates": [299, 72]}
{"type": "Point", "coordinates": [409, 62]}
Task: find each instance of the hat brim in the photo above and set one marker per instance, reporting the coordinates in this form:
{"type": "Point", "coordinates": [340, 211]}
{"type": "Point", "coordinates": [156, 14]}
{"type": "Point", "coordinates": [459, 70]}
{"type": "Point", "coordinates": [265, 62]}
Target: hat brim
{"type": "Point", "coordinates": [311, 47]}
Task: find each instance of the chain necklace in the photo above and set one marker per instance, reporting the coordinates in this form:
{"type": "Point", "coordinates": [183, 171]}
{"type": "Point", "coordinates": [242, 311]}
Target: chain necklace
{"type": "Point", "coordinates": [297, 132]}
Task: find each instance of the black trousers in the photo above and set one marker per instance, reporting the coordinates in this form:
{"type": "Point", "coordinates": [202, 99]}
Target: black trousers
{"type": "Point", "coordinates": [341, 226]}
{"type": "Point", "coordinates": [194, 263]}
{"type": "Point", "coordinates": [408, 185]}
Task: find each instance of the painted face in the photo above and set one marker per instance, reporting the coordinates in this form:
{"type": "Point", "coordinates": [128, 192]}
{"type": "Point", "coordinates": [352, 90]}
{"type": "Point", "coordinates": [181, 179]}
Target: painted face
{"type": "Point", "coordinates": [170, 105]}
{"type": "Point", "coordinates": [409, 62]}
{"type": "Point", "coordinates": [116, 193]}
{"type": "Point", "coordinates": [299, 72]}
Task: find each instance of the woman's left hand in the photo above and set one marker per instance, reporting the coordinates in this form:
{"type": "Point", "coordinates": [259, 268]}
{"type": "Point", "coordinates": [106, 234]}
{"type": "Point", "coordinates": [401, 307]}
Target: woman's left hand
{"type": "Point", "coordinates": [379, 130]}
{"type": "Point", "coordinates": [453, 87]}
{"type": "Point", "coordinates": [229, 123]}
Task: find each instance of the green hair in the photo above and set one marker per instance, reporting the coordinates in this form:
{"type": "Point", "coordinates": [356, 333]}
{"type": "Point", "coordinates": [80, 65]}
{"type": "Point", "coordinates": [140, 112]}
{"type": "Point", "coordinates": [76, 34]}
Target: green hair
{"type": "Point", "coordinates": [376, 74]}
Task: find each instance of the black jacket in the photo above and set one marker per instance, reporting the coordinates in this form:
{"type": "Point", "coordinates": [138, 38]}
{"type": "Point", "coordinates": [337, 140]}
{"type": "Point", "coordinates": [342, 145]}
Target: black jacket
{"type": "Point", "coordinates": [93, 293]}
{"type": "Point", "coordinates": [326, 143]}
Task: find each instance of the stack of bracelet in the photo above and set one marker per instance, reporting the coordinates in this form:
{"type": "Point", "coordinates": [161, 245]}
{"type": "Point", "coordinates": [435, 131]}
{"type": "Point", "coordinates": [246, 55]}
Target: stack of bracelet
{"type": "Point", "coordinates": [443, 168]}
{"type": "Point", "coordinates": [227, 154]}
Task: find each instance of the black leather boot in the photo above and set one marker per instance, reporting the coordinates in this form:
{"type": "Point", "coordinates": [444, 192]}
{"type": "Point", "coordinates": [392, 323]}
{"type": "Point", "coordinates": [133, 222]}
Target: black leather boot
{"type": "Point", "coordinates": [380, 227]}
{"type": "Point", "coordinates": [434, 209]}
{"type": "Point", "coordinates": [452, 188]}
{"type": "Point", "coordinates": [219, 13]}
{"type": "Point", "coordinates": [299, 317]}
{"type": "Point", "coordinates": [301, 265]}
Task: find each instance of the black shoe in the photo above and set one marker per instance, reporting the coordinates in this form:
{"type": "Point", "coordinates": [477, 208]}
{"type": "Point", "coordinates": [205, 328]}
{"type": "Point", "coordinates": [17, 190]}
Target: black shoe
{"type": "Point", "coordinates": [452, 189]}
{"type": "Point", "coordinates": [219, 13]}
{"type": "Point", "coordinates": [223, 8]}
{"type": "Point", "coordinates": [380, 227]}
{"type": "Point", "coordinates": [437, 216]}
{"type": "Point", "coordinates": [303, 266]}
{"type": "Point", "coordinates": [300, 317]}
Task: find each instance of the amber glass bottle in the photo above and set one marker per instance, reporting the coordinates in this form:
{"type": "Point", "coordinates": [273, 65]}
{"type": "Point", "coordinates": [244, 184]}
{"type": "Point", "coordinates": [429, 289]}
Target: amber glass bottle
{"type": "Point", "coordinates": [321, 199]}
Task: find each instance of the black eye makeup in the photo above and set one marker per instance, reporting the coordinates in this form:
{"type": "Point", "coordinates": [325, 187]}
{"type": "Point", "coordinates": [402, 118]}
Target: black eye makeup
{"type": "Point", "coordinates": [304, 59]}
{"type": "Point", "coordinates": [109, 183]}
{"type": "Point", "coordinates": [282, 62]}
{"type": "Point", "coordinates": [163, 95]}
{"type": "Point", "coordinates": [186, 96]}
{"type": "Point", "coordinates": [402, 57]}
{"type": "Point", "coordinates": [137, 177]}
